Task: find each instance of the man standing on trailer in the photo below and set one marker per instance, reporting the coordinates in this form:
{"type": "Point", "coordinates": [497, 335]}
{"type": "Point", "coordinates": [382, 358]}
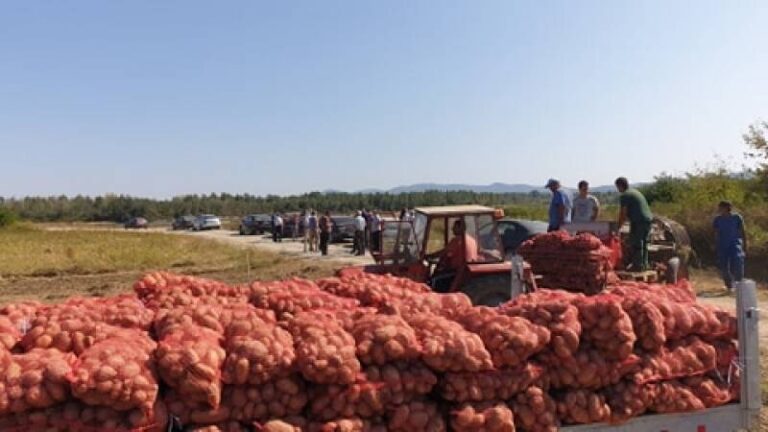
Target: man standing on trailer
{"type": "Point", "coordinates": [731, 244]}
{"type": "Point", "coordinates": [586, 207]}
{"type": "Point", "coordinates": [635, 209]}
{"type": "Point", "coordinates": [559, 207]}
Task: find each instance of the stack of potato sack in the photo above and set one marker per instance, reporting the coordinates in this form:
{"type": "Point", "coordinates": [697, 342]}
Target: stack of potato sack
{"type": "Point", "coordinates": [82, 365]}
{"type": "Point", "coordinates": [358, 353]}
{"type": "Point", "coordinates": [578, 263]}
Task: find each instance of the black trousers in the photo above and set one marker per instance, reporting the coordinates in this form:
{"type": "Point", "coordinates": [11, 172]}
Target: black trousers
{"type": "Point", "coordinates": [324, 237]}
{"type": "Point", "coordinates": [359, 245]}
{"type": "Point", "coordinates": [376, 241]}
{"type": "Point", "coordinates": [277, 233]}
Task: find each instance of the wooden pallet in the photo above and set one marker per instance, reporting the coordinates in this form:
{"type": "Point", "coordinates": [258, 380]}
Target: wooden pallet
{"type": "Point", "coordinates": [643, 276]}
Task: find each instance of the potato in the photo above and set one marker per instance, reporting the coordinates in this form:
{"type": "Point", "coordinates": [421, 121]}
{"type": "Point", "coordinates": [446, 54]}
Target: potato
{"type": "Point", "coordinates": [37, 379]}
{"type": "Point", "coordinates": [483, 417]}
{"type": "Point", "coordinates": [447, 347]}
{"type": "Point", "coordinates": [325, 352]}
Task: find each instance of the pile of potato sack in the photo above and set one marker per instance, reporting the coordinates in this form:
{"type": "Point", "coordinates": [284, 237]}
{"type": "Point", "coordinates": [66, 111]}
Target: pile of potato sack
{"type": "Point", "coordinates": [358, 353]}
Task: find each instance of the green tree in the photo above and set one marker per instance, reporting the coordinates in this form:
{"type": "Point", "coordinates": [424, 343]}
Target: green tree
{"type": "Point", "coordinates": [757, 141]}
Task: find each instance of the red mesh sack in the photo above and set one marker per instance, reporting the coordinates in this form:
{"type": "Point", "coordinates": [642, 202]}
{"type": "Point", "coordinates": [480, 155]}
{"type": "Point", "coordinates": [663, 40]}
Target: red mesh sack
{"type": "Point", "coordinates": [382, 339]}
{"type": "Point", "coordinates": [234, 426]}
{"type": "Point", "coordinates": [118, 373]}
{"type": "Point", "coordinates": [383, 386]}
{"type": "Point", "coordinates": [628, 399]}
{"type": "Point", "coordinates": [647, 322]}
{"type": "Point", "coordinates": [402, 381]}
{"type": "Point", "coordinates": [535, 411]}
{"type": "Point", "coordinates": [587, 369]}
{"type": "Point", "coordinates": [673, 397]}
{"type": "Point", "coordinates": [449, 305]}
{"type": "Point", "coordinates": [325, 352]}
{"type": "Point", "coordinates": [280, 398]}
{"type": "Point", "coordinates": [416, 416]}
{"type": "Point", "coordinates": [501, 384]}
{"type": "Point", "coordinates": [688, 357]}
{"type": "Point", "coordinates": [74, 416]}
{"type": "Point", "coordinates": [347, 425]}
{"type": "Point", "coordinates": [447, 347]}
{"type": "Point", "coordinates": [583, 407]}
{"type": "Point", "coordinates": [73, 334]}
{"type": "Point", "coordinates": [483, 417]}
{"type": "Point", "coordinates": [202, 315]}
{"type": "Point", "coordinates": [509, 340]}
{"type": "Point", "coordinates": [37, 379]}
{"type": "Point", "coordinates": [157, 283]}
{"type": "Point", "coordinates": [373, 290]}
{"type": "Point", "coordinates": [606, 326]}
{"type": "Point", "coordinates": [289, 297]}
{"type": "Point", "coordinates": [189, 360]}
{"type": "Point", "coordinates": [554, 311]}
{"type": "Point", "coordinates": [711, 392]}
{"type": "Point", "coordinates": [266, 353]}
{"type": "Point", "coordinates": [9, 333]}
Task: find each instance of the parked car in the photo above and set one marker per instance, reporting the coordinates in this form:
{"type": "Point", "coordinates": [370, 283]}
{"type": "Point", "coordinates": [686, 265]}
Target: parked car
{"type": "Point", "coordinates": [255, 224]}
{"type": "Point", "coordinates": [183, 223]}
{"type": "Point", "coordinates": [513, 232]}
{"type": "Point", "coordinates": [206, 222]}
{"type": "Point", "coordinates": [136, 223]}
{"type": "Point", "coordinates": [343, 228]}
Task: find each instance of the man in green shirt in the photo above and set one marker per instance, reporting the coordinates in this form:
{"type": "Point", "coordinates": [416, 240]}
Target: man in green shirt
{"type": "Point", "coordinates": [634, 208]}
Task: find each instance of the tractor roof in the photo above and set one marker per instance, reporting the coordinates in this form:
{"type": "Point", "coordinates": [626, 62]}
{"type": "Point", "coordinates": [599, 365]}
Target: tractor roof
{"type": "Point", "coordinates": [454, 210]}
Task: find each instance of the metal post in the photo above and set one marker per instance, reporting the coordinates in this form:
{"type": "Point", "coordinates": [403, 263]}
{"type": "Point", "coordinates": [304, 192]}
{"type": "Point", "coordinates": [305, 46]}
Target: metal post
{"type": "Point", "coordinates": [749, 350]}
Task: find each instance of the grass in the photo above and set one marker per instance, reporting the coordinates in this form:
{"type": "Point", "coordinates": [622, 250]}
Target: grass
{"type": "Point", "coordinates": [50, 265]}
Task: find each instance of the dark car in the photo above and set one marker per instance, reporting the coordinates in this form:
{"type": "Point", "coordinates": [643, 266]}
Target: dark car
{"type": "Point", "coordinates": [136, 223]}
{"type": "Point", "coordinates": [343, 228]}
{"type": "Point", "coordinates": [183, 223]}
{"type": "Point", "coordinates": [515, 231]}
{"type": "Point", "coordinates": [255, 224]}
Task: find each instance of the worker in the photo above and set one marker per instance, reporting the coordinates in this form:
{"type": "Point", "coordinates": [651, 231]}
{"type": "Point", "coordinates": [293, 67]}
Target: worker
{"type": "Point", "coordinates": [731, 244]}
{"type": "Point", "coordinates": [277, 228]}
{"type": "Point", "coordinates": [375, 228]}
{"type": "Point", "coordinates": [461, 249]}
{"type": "Point", "coordinates": [311, 232]}
{"type": "Point", "coordinates": [635, 209]}
{"type": "Point", "coordinates": [358, 246]}
{"type": "Point", "coordinates": [326, 227]}
{"type": "Point", "coordinates": [559, 207]}
{"type": "Point", "coordinates": [586, 208]}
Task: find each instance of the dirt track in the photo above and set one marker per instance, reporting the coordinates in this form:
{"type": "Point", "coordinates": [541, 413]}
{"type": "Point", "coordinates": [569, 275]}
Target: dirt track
{"type": "Point", "coordinates": [336, 252]}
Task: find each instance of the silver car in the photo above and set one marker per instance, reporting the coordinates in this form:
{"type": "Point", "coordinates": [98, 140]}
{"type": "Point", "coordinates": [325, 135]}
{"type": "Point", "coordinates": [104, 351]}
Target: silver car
{"type": "Point", "coordinates": [206, 222]}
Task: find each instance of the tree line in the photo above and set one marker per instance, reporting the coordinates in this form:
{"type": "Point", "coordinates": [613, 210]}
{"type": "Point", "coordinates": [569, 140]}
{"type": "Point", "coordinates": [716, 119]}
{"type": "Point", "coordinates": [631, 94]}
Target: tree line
{"type": "Point", "coordinates": [118, 208]}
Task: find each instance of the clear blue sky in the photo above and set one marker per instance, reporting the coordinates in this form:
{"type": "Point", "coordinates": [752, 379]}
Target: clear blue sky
{"type": "Point", "coordinates": [162, 98]}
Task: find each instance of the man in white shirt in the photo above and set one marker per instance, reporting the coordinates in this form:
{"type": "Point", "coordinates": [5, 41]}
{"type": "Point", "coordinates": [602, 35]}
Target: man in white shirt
{"type": "Point", "coordinates": [586, 208]}
{"type": "Point", "coordinates": [359, 244]}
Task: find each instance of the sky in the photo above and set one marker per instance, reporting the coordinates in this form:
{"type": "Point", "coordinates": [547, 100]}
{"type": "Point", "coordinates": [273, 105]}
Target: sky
{"type": "Point", "coordinates": [158, 99]}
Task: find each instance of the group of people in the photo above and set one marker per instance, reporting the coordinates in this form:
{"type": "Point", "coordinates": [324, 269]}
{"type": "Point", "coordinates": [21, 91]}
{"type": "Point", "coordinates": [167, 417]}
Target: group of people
{"type": "Point", "coordinates": [730, 238]}
{"type": "Point", "coordinates": [316, 230]}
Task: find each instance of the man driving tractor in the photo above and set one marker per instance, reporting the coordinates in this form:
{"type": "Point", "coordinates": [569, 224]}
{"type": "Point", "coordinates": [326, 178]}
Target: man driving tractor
{"type": "Point", "coordinates": [459, 251]}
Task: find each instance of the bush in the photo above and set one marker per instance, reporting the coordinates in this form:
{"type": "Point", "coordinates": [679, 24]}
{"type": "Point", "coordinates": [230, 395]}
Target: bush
{"type": "Point", "coordinates": [7, 218]}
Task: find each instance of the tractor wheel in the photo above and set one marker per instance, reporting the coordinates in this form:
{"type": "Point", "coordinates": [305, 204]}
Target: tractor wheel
{"type": "Point", "coordinates": [490, 290]}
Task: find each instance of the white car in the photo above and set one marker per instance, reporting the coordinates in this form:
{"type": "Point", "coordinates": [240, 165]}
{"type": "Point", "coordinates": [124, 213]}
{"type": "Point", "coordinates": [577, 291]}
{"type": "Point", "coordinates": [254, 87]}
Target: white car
{"type": "Point", "coordinates": [206, 222]}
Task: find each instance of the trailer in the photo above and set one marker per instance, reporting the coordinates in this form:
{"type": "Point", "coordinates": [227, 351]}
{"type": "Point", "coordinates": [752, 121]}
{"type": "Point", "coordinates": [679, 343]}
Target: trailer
{"type": "Point", "coordinates": [741, 416]}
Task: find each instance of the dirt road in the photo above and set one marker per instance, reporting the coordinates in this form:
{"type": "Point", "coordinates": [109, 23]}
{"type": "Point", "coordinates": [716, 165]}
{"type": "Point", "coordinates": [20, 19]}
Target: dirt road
{"type": "Point", "coordinates": [339, 252]}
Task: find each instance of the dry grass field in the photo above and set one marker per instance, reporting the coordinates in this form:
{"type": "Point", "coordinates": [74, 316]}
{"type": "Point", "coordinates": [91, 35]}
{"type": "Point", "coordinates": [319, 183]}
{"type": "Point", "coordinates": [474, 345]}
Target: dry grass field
{"type": "Point", "coordinates": [49, 265]}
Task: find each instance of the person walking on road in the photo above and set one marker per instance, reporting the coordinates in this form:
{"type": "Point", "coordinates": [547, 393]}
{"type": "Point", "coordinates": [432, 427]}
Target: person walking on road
{"type": "Point", "coordinates": [326, 227]}
{"type": "Point", "coordinates": [635, 209]}
{"type": "Point", "coordinates": [311, 232]}
{"type": "Point", "coordinates": [586, 208]}
{"type": "Point", "coordinates": [277, 228]}
{"type": "Point", "coordinates": [731, 244]}
{"type": "Point", "coordinates": [559, 207]}
{"type": "Point", "coordinates": [358, 247]}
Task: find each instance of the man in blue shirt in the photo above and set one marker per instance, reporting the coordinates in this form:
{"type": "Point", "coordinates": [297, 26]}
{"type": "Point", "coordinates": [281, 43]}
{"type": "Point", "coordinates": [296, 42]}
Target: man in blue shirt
{"type": "Point", "coordinates": [731, 244]}
{"type": "Point", "coordinates": [559, 207]}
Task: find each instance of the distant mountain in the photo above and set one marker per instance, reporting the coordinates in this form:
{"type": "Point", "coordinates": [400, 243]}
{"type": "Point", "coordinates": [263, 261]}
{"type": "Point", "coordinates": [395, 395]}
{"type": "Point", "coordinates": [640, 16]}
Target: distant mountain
{"type": "Point", "coordinates": [491, 188]}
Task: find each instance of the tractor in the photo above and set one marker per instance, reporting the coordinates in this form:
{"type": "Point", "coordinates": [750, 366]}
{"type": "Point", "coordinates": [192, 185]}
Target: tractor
{"type": "Point", "coordinates": [418, 249]}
